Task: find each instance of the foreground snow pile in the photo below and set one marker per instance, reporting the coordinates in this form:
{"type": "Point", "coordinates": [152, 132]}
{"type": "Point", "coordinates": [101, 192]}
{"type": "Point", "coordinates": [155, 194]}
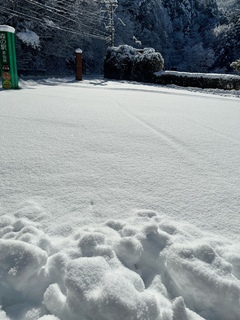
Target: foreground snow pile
{"type": "Point", "coordinates": [76, 160]}
{"type": "Point", "coordinates": [146, 267]}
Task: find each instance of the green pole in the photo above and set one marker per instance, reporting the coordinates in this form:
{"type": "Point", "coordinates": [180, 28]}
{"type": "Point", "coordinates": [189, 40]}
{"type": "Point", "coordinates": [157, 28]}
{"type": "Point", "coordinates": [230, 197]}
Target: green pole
{"type": "Point", "coordinates": [8, 61]}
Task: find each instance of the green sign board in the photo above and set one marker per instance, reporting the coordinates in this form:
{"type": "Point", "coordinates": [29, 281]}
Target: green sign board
{"type": "Point", "coordinates": [8, 62]}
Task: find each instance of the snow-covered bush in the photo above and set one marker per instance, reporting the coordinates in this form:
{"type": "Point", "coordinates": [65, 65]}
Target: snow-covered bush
{"type": "Point", "coordinates": [127, 63]}
{"type": "Point", "coordinates": [146, 63]}
{"type": "Point", "coordinates": [118, 62]}
{"type": "Point", "coordinates": [236, 65]}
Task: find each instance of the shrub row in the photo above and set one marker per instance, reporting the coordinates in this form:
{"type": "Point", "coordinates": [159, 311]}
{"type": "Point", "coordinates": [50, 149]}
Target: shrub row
{"type": "Point", "coordinates": [201, 80]}
{"type": "Point", "coordinates": [127, 63]}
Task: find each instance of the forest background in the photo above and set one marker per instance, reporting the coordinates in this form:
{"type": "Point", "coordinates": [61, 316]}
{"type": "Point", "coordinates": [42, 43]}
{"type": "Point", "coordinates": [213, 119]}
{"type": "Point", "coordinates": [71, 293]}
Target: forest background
{"type": "Point", "coordinates": [191, 35]}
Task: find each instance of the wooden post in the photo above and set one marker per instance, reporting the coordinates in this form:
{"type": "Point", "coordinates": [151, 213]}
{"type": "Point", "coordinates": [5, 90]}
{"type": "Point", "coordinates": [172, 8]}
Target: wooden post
{"type": "Point", "coordinates": [78, 54]}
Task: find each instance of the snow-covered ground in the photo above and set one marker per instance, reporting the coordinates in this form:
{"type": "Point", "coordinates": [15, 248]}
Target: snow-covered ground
{"type": "Point", "coordinates": [119, 201]}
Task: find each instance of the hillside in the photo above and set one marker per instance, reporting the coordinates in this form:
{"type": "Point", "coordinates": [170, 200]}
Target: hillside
{"type": "Point", "coordinates": [192, 35]}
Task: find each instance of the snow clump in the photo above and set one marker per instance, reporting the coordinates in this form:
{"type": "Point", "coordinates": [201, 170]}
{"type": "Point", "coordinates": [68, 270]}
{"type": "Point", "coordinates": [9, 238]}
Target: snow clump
{"type": "Point", "coordinates": [143, 268]}
{"type": "Point", "coordinates": [30, 38]}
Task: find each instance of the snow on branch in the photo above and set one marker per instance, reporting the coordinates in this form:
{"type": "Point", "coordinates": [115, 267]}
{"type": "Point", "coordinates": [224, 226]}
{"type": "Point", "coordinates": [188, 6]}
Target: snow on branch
{"type": "Point", "coordinates": [30, 38]}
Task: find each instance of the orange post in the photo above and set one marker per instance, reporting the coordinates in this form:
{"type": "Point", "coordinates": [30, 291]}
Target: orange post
{"type": "Point", "coordinates": [78, 56]}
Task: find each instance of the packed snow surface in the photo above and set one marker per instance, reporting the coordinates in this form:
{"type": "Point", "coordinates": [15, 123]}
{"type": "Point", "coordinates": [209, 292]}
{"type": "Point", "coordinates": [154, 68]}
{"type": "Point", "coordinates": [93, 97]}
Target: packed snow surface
{"type": "Point", "coordinates": [119, 201]}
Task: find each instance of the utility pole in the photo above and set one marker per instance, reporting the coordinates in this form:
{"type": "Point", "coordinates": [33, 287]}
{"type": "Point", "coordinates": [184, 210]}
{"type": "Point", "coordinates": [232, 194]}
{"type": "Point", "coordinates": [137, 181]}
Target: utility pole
{"type": "Point", "coordinates": [111, 6]}
{"type": "Point", "coordinates": [112, 24]}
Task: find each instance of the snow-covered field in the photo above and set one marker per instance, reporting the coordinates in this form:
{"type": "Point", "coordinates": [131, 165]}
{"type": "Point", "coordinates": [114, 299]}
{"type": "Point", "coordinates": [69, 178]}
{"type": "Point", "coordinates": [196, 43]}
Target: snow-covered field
{"type": "Point", "coordinates": [119, 201]}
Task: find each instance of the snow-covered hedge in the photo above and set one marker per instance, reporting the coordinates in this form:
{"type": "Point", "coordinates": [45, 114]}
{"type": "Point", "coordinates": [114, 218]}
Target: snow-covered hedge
{"type": "Point", "coordinates": [127, 63]}
{"type": "Point", "coordinates": [201, 80]}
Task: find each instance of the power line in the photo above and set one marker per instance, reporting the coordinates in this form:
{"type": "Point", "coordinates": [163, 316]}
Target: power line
{"type": "Point", "coordinates": [24, 15]}
{"type": "Point", "coordinates": [66, 19]}
{"type": "Point", "coordinates": [57, 10]}
{"type": "Point", "coordinates": [79, 22]}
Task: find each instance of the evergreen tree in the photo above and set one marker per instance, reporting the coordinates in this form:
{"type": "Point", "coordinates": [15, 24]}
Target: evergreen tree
{"type": "Point", "coordinates": [62, 26]}
{"type": "Point", "coordinates": [184, 31]}
{"type": "Point", "coordinates": [227, 44]}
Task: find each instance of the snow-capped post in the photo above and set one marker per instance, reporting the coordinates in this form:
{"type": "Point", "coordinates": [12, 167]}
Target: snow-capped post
{"type": "Point", "coordinates": [78, 58]}
{"type": "Point", "coordinates": [8, 61]}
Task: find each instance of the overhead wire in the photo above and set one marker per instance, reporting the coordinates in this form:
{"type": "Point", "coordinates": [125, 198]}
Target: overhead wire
{"type": "Point", "coordinates": [50, 9]}
{"type": "Point", "coordinates": [24, 15]}
{"type": "Point", "coordinates": [89, 11]}
{"type": "Point", "coordinates": [33, 12]}
{"type": "Point", "coordinates": [57, 10]}
{"type": "Point", "coordinates": [87, 28]}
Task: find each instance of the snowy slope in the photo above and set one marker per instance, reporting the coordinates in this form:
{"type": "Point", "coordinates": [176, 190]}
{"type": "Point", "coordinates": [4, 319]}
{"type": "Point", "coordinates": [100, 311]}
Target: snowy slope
{"type": "Point", "coordinates": [119, 201]}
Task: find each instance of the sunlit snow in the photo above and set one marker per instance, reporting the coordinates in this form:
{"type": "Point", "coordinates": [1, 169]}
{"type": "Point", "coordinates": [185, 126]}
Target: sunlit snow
{"type": "Point", "coordinates": [119, 201]}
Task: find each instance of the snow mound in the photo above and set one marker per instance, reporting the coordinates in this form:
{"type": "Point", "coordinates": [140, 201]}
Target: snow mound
{"type": "Point", "coordinates": [146, 267]}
